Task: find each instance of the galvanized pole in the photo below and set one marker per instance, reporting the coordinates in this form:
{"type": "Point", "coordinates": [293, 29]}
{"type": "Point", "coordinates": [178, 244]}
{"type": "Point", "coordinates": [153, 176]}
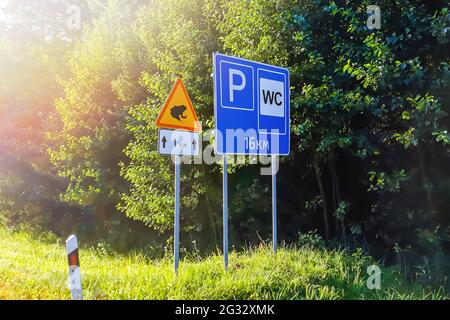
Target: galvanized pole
{"type": "Point", "coordinates": [225, 213]}
{"type": "Point", "coordinates": [274, 203]}
{"type": "Point", "coordinates": [176, 236]}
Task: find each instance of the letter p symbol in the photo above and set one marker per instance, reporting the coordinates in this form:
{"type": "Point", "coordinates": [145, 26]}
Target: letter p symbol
{"type": "Point", "coordinates": [234, 86]}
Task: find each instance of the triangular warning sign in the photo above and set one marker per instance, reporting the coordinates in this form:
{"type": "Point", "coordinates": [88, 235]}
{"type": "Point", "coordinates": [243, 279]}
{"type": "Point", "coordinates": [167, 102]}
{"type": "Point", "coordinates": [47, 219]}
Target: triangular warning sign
{"type": "Point", "coordinates": [178, 112]}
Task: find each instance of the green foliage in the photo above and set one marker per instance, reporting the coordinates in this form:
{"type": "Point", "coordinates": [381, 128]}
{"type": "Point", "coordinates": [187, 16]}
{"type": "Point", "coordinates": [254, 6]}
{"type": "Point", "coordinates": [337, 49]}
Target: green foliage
{"type": "Point", "coordinates": [359, 95]}
{"type": "Point", "coordinates": [86, 146]}
{"type": "Point", "coordinates": [342, 210]}
{"type": "Point", "coordinates": [310, 239]}
{"type": "Point", "coordinates": [389, 182]}
{"type": "Point", "coordinates": [27, 91]}
{"type": "Point", "coordinates": [174, 49]}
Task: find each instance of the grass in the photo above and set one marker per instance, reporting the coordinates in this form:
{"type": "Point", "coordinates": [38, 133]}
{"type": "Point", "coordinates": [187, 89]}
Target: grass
{"type": "Point", "coordinates": [36, 269]}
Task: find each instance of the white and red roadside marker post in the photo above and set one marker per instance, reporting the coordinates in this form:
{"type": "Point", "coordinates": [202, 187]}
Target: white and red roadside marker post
{"type": "Point", "coordinates": [75, 287]}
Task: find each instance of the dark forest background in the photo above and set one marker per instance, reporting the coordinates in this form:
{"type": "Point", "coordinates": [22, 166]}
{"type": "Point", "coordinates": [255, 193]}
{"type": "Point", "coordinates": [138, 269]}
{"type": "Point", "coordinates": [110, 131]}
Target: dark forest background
{"type": "Point", "coordinates": [370, 152]}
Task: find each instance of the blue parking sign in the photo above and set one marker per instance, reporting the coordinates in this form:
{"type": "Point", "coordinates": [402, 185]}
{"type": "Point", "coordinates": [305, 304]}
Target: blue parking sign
{"type": "Point", "coordinates": [252, 107]}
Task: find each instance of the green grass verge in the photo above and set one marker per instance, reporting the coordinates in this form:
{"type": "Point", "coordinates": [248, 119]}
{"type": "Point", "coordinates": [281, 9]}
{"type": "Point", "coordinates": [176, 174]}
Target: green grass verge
{"type": "Point", "coordinates": [34, 269]}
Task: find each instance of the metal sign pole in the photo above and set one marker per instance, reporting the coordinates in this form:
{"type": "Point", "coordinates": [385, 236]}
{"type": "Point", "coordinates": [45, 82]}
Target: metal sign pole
{"type": "Point", "coordinates": [225, 213]}
{"type": "Point", "coordinates": [176, 237]}
{"type": "Point", "coordinates": [274, 203]}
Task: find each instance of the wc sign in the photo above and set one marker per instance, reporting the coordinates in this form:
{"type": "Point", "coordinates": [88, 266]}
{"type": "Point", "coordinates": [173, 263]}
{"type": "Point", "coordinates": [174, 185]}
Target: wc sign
{"type": "Point", "coordinates": [251, 107]}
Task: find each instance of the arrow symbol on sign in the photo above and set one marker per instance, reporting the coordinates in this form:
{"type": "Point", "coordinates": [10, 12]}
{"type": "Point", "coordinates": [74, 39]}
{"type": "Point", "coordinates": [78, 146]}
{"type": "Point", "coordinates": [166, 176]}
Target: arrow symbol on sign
{"type": "Point", "coordinates": [194, 143]}
{"type": "Point", "coordinates": [164, 140]}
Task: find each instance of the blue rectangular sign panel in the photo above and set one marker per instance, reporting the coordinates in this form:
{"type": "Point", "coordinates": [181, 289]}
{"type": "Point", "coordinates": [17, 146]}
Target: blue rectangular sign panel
{"type": "Point", "coordinates": [252, 107]}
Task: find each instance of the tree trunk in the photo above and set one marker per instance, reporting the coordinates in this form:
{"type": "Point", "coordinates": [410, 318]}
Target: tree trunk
{"type": "Point", "coordinates": [211, 216]}
{"type": "Point", "coordinates": [101, 217]}
{"type": "Point", "coordinates": [100, 211]}
{"type": "Point", "coordinates": [425, 180]}
{"type": "Point", "coordinates": [334, 195]}
{"type": "Point", "coordinates": [322, 194]}
{"type": "Point", "coordinates": [211, 220]}
{"type": "Point", "coordinates": [336, 191]}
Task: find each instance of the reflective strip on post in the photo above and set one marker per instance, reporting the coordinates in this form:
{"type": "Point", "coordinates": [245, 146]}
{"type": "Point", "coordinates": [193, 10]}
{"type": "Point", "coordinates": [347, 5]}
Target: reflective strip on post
{"type": "Point", "coordinates": [74, 268]}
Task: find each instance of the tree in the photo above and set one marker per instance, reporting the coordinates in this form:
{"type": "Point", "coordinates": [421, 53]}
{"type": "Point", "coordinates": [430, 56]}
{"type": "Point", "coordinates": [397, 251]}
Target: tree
{"type": "Point", "coordinates": [89, 133]}
{"type": "Point", "coordinates": [27, 90]}
{"type": "Point", "coordinates": [178, 40]}
{"type": "Point", "coordinates": [351, 87]}
{"type": "Point", "coordinates": [34, 41]}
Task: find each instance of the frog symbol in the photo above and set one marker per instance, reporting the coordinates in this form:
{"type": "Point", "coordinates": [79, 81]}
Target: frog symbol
{"type": "Point", "coordinates": [178, 112]}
